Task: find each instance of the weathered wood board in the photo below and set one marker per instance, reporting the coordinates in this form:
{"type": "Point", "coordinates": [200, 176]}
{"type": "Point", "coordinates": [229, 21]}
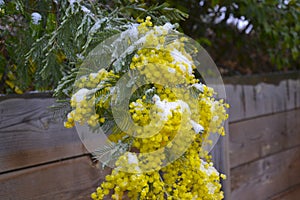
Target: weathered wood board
{"type": "Point", "coordinates": [250, 101]}
{"type": "Point", "coordinates": [30, 135]}
{"type": "Point", "coordinates": [70, 179]}
{"type": "Point", "coordinates": [266, 177]}
{"type": "Point", "coordinates": [259, 137]}
{"type": "Point", "coordinates": [264, 136]}
{"type": "Point", "coordinates": [292, 193]}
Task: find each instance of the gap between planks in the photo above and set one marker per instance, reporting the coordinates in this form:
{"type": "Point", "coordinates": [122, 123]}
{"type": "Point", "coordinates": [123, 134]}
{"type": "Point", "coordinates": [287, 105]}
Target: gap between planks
{"type": "Point", "coordinates": [263, 157]}
{"type": "Point", "coordinates": [44, 163]}
{"type": "Point", "coordinates": [291, 193]}
{"type": "Point", "coordinates": [264, 115]}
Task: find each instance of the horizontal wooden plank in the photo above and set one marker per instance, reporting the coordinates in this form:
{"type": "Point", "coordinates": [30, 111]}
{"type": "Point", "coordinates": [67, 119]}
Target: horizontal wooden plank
{"type": "Point", "coordinates": [71, 179]}
{"type": "Point", "coordinates": [259, 137]}
{"type": "Point", "coordinates": [30, 134]}
{"type": "Point", "coordinates": [266, 177]}
{"type": "Point", "coordinates": [249, 101]}
{"type": "Point", "coordinates": [27, 95]}
{"type": "Point", "coordinates": [290, 194]}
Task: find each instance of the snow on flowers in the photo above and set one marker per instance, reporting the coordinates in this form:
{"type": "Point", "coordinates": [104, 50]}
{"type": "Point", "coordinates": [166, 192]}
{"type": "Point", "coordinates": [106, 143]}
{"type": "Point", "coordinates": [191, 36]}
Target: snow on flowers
{"type": "Point", "coordinates": [173, 115]}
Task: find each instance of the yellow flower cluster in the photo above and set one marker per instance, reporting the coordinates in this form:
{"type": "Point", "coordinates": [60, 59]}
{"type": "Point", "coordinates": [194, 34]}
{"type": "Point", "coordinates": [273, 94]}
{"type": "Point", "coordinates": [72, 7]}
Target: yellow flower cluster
{"type": "Point", "coordinates": [131, 185]}
{"type": "Point", "coordinates": [212, 112]}
{"type": "Point", "coordinates": [160, 63]}
{"type": "Point", "coordinates": [166, 159]}
{"type": "Point", "coordinates": [84, 103]}
{"type": "Point", "coordinates": [143, 27]}
{"type": "Point", "coordinates": [192, 178]}
{"type": "Point", "coordinates": [187, 178]}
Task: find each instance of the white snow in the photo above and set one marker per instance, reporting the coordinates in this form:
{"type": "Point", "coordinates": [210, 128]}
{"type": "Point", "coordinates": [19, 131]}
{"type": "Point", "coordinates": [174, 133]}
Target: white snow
{"type": "Point", "coordinates": [80, 56]}
{"type": "Point", "coordinates": [131, 37]}
{"type": "Point", "coordinates": [168, 26]}
{"type": "Point", "coordinates": [79, 95]}
{"type": "Point", "coordinates": [197, 127]}
{"type": "Point", "coordinates": [198, 86]}
{"type": "Point", "coordinates": [209, 170]}
{"type": "Point", "coordinates": [36, 17]}
{"type": "Point", "coordinates": [112, 90]}
{"type": "Point", "coordinates": [85, 9]}
{"type": "Point", "coordinates": [93, 75]}
{"type": "Point", "coordinates": [211, 188]}
{"type": "Point", "coordinates": [166, 107]}
{"type": "Point", "coordinates": [69, 116]}
{"type": "Point", "coordinates": [138, 106]}
{"type": "Point", "coordinates": [97, 25]}
{"type": "Point", "coordinates": [165, 28]}
{"type": "Point", "coordinates": [132, 159]}
{"type": "Point", "coordinates": [72, 3]}
{"type": "Point", "coordinates": [171, 70]}
{"type": "Point", "coordinates": [149, 90]}
{"type": "Point", "coordinates": [179, 57]}
{"type": "Point", "coordinates": [132, 32]}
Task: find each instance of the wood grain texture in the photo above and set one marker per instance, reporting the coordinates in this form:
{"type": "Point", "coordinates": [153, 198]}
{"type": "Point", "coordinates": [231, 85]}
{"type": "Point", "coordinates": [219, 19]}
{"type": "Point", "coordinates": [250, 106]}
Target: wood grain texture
{"type": "Point", "coordinates": [290, 194]}
{"type": "Point", "coordinates": [266, 177]}
{"type": "Point", "coordinates": [250, 101]}
{"type": "Point", "coordinates": [30, 135]}
{"type": "Point", "coordinates": [71, 179]}
{"type": "Point", "coordinates": [260, 137]}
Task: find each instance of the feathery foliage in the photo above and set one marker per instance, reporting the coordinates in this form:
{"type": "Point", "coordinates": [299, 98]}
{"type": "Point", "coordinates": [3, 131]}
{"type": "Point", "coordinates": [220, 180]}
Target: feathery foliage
{"type": "Point", "coordinates": [36, 55]}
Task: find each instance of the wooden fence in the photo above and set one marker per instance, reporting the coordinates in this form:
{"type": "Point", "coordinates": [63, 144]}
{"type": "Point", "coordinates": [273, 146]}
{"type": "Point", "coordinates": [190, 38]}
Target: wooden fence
{"type": "Point", "coordinates": [40, 159]}
{"type": "Point", "coordinates": [264, 137]}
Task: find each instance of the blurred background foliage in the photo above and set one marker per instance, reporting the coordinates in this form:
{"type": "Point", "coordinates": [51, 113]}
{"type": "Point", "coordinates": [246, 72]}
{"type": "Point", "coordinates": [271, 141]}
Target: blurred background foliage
{"type": "Point", "coordinates": [43, 41]}
{"type": "Point", "coordinates": [246, 36]}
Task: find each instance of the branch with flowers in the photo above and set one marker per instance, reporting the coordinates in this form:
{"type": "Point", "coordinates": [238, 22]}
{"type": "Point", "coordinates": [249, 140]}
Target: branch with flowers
{"type": "Point", "coordinates": [155, 114]}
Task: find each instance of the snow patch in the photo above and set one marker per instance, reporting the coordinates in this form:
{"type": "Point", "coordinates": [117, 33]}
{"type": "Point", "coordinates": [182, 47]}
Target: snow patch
{"type": "Point", "coordinates": [79, 95]}
{"type": "Point", "coordinates": [180, 58]}
{"type": "Point", "coordinates": [132, 159]}
{"type": "Point", "coordinates": [93, 75]}
{"type": "Point", "coordinates": [112, 90]}
{"type": "Point", "coordinates": [166, 107]}
{"type": "Point", "coordinates": [171, 70]}
{"type": "Point", "coordinates": [211, 188]}
{"type": "Point", "coordinates": [209, 170]}
{"type": "Point", "coordinates": [197, 127]}
{"type": "Point", "coordinates": [160, 30]}
{"type": "Point", "coordinates": [151, 90]}
{"type": "Point", "coordinates": [36, 17]}
{"type": "Point", "coordinates": [85, 9]}
{"type": "Point", "coordinates": [72, 2]}
{"type": "Point", "coordinates": [80, 56]}
{"type": "Point", "coordinates": [168, 26]}
{"type": "Point", "coordinates": [198, 86]}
